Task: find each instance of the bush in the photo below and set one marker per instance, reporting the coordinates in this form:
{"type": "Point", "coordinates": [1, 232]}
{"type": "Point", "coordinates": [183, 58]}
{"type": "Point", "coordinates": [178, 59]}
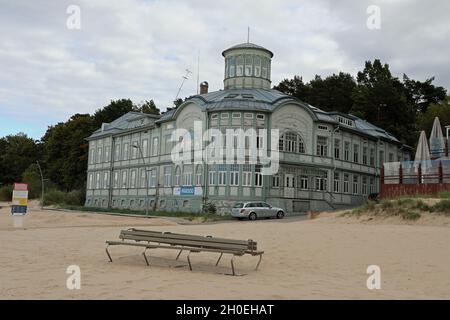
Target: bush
{"type": "Point", "coordinates": [209, 208]}
{"type": "Point", "coordinates": [441, 206]}
{"type": "Point", "coordinates": [6, 193]}
{"type": "Point", "coordinates": [57, 197]}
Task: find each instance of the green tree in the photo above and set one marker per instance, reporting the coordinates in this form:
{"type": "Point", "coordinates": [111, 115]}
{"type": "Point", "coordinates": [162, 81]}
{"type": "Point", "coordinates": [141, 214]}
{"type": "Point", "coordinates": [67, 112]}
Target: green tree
{"type": "Point", "coordinates": [148, 106]}
{"type": "Point", "coordinates": [439, 109]}
{"type": "Point", "coordinates": [66, 151]}
{"type": "Point", "coordinates": [422, 94]}
{"type": "Point", "coordinates": [294, 87]}
{"type": "Point", "coordinates": [32, 177]}
{"type": "Point", "coordinates": [17, 152]}
{"type": "Point", "coordinates": [334, 93]}
{"type": "Point", "coordinates": [380, 99]}
{"type": "Point", "coordinates": [112, 111]}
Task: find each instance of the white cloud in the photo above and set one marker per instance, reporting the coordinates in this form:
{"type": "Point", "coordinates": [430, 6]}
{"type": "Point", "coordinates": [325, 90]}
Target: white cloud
{"type": "Point", "coordinates": [140, 49]}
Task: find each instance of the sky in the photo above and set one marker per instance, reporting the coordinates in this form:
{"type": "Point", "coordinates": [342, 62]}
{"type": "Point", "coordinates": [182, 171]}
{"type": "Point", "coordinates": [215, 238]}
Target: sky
{"type": "Point", "coordinates": [57, 60]}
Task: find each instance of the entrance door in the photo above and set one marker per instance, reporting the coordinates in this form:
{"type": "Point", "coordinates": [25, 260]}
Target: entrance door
{"type": "Point", "coordinates": [289, 185]}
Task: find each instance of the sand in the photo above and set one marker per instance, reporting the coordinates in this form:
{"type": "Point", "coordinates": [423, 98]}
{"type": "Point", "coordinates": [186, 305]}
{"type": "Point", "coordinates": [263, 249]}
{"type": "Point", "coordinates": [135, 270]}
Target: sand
{"type": "Point", "coordinates": [322, 258]}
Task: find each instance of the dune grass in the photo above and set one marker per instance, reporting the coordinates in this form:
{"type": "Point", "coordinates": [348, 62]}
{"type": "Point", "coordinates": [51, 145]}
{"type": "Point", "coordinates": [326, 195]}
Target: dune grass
{"type": "Point", "coordinates": [407, 208]}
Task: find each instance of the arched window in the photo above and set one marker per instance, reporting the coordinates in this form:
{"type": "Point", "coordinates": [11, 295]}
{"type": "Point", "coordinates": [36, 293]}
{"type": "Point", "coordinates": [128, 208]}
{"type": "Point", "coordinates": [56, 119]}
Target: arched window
{"type": "Point", "coordinates": [291, 142]}
{"type": "Point", "coordinates": [199, 175]}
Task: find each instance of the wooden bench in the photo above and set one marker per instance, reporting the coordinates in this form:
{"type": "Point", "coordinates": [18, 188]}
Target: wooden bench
{"type": "Point", "coordinates": [186, 242]}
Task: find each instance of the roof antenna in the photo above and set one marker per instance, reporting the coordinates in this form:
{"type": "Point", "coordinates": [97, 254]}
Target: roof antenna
{"type": "Point", "coordinates": [185, 77]}
{"type": "Point", "coordinates": [248, 34]}
{"type": "Point", "coordinates": [198, 71]}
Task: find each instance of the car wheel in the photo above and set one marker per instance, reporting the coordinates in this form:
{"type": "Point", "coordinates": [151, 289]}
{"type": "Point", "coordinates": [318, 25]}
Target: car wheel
{"type": "Point", "coordinates": [280, 215]}
{"type": "Point", "coordinates": [252, 216]}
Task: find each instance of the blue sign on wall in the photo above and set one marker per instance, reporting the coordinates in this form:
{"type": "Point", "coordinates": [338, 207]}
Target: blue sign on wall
{"type": "Point", "coordinates": [187, 191]}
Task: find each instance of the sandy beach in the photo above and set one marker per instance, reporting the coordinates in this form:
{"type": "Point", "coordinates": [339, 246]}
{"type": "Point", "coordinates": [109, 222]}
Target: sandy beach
{"type": "Point", "coordinates": [322, 258]}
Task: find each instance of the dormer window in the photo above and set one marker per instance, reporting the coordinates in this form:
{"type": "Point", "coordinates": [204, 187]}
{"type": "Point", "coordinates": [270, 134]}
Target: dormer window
{"type": "Point", "coordinates": [345, 121]}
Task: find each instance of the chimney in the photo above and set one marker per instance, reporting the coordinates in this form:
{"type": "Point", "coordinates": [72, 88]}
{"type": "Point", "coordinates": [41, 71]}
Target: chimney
{"type": "Point", "coordinates": [204, 87]}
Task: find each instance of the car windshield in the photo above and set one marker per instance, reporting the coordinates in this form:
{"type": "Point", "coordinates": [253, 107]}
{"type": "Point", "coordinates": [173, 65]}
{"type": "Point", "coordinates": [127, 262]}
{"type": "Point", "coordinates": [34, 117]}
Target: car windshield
{"type": "Point", "coordinates": [238, 205]}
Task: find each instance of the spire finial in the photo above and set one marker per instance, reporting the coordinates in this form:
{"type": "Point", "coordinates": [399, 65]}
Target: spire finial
{"type": "Point", "coordinates": [248, 34]}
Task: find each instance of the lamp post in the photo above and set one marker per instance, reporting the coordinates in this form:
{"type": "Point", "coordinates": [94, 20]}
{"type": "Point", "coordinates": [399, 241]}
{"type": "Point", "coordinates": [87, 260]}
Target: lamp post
{"type": "Point", "coordinates": [42, 184]}
{"type": "Point", "coordinates": [138, 146]}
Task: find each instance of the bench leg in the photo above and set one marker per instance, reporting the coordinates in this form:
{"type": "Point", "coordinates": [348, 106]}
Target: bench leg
{"type": "Point", "coordinates": [232, 265]}
{"type": "Point", "coordinates": [218, 260]}
{"type": "Point", "coordinates": [259, 261]}
{"type": "Point", "coordinates": [189, 261]}
{"type": "Point", "coordinates": [145, 257]}
{"type": "Point", "coordinates": [179, 253]}
{"type": "Point", "coordinates": [107, 252]}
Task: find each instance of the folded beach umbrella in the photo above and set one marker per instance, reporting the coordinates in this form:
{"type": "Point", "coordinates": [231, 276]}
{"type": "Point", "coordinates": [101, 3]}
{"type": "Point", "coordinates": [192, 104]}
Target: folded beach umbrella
{"type": "Point", "coordinates": [422, 154]}
{"type": "Point", "coordinates": [436, 139]}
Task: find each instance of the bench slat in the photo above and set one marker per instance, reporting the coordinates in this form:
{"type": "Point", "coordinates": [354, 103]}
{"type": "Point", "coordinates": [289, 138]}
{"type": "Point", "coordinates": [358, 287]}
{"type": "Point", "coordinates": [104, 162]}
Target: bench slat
{"type": "Point", "coordinates": [184, 242]}
{"type": "Point", "coordinates": [193, 237]}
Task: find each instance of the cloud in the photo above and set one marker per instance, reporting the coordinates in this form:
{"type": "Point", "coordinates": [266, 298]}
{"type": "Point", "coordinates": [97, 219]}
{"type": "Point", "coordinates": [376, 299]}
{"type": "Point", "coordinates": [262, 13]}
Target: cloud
{"type": "Point", "coordinates": [140, 49]}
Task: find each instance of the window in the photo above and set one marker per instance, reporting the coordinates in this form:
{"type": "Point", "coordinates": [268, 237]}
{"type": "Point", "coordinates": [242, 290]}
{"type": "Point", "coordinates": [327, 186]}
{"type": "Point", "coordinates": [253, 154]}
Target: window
{"type": "Point", "coordinates": [234, 175]}
{"type": "Point", "coordinates": [143, 178]}
{"type": "Point", "coordinates": [391, 157]}
{"type": "Point", "coordinates": [246, 175]}
{"type": "Point", "coordinates": [212, 175]}
{"type": "Point", "coordinates": [107, 154]}
{"type": "Point", "coordinates": [214, 116]}
{"type": "Point", "coordinates": [248, 115]}
{"type": "Point", "coordinates": [372, 157]}
{"type": "Point", "coordinates": [199, 175]}
{"type": "Point", "coordinates": [152, 181]}
{"type": "Point", "coordinates": [133, 179]}
{"type": "Point", "coordinates": [346, 151]}
{"type": "Point", "coordinates": [276, 181]}
{"type": "Point", "coordinates": [232, 67]}
{"type": "Point", "coordinates": [258, 176]}
{"type": "Point", "coordinates": [99, 155]}
{"type": "Point", "coordinates": [322, 127]}
{"type": "Point", "coordinates": [167, 176]}
{"type": "Point", "coordinates": [222, 174]}
{"type": "Point", "coordinates": [257, 66]}
{"type": "Point", "coordinates": [224, 115]}
{"type": "Point", "coordinates": [321, 183]}
{"type": "Point", "coordinates": [145, 148]}
{"type": "Point", "coordinates": [337, 149]}
{"type": "Point", "coordinates": [97, 181]}
{"type": "Point", "coordinates": [91, 183]}
{"type": "Point", "coordinates": [177, 176]}
{"type": "Point", "coordinates": [259, 142]}
{"type": "Point", "coordinates": [92, 156]}
{"type": "Point", "coordinates": [134, 150]}
{"type": "Point", "coordinates": [125, 151]}
{"type": "Point", "coordinates": [248, 65]}
{"type": "Point", "coordinates": [155, 146]}
{"type": "Point", "coordinates": [236, 115]}
{"type": "Point", "coordinates": [336, 182]}
{"type": "Point", "coordinates": [264, 68]}
{"type": "Point", "coordinates": [117, 152]}
{"type": "Point", "coordinates": [187, 174]}
{"type": "Point", "coordinates": [322, 146]}
{"type": "Point", "coordinates": [239, 66]}
{"type": "Point", "coordinates": [304, 182]}
{"type": "Point", "coordinates": [364, 155]}
{"type": "Point", "coordinates": [291, 142]}
{"type": "Point", "coordinates": [346, 182]}
{"type": "Point", "coordinates": [372, 185]}
{"type": "Point", "coordinates": [106, 180]}
{"type": "Point", "coordinates": [355, 153]}
{"type": "Point", "coordinates": [364, 185]}
{"type": "Point", "coordinates": [124, 179]}
{"type": "Point", "coordinates": [355, 184]}
{"type": "Point", "coordinates": [116, 179]}
{"type": "Point", "coordinates": [381, 159]}
{"type": "Point", "coordinates": [260, 116]}
{"type": "Point", "coordinates": [167, 143]}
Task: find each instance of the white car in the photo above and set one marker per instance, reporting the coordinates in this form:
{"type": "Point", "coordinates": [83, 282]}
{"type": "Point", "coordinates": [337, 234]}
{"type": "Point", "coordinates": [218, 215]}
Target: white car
{"type": "Point", "coordinates": [256, 209]}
